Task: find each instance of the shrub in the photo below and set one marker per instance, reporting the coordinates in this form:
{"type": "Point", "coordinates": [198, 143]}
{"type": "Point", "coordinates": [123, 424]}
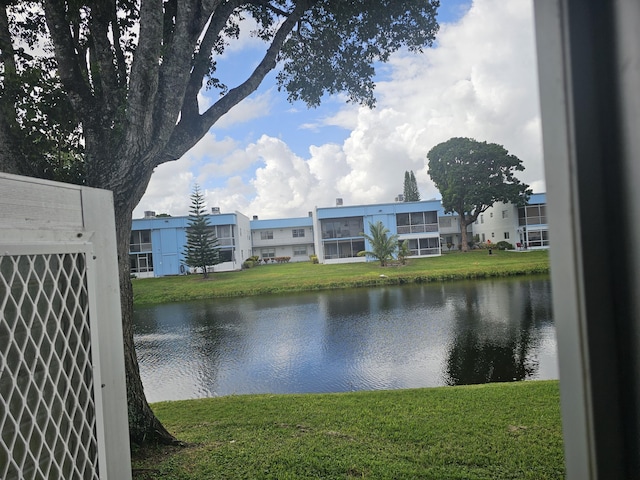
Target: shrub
{"type": "Point", "coordinates": [248, 264]}
{"type": "Point", "coordinates": [503, 245]}
{"type": "Point", "coordinates": [314, 259]}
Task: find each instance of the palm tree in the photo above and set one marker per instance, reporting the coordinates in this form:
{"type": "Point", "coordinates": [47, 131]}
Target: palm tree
{"type": "Point", "coordinates": [383, 246]}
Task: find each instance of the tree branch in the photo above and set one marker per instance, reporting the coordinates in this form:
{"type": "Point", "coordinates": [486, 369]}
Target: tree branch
{"type": "Point", "coordinates": [70, 69]}
{"type": "Point", "coordinates": [202, 59]}
{"type": "Point", "coordinates": [107, 83]}
{"type": "Point", "coordinates": [189, 131]}
{"type": "Point", "coordinates": [143, 83]}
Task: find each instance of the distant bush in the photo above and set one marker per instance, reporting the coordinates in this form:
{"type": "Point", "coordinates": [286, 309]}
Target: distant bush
{"type": "Point", "coordinates": [314, 259]}
{"type": "Point", "coordinates": [248, 264]}
{"type": "Point", "coordinates": [281, 259]}
{"type": "Point", "coordinates": [254, 259]}
{"type": "Point", "coordinates": [503, 245]}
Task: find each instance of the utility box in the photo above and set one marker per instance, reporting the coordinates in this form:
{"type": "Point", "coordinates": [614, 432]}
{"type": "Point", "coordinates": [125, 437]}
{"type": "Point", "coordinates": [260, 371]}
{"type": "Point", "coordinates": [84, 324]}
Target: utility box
{"type": "Point", "coordinates": [63, 409]}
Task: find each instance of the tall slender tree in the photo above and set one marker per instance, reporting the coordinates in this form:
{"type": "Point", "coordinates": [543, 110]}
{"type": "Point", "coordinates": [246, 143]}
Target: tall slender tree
{"type": "Point", "coordinates": [131, 74]}
{"type": "Point", "coordinates": [472, 176]}
{"type": "Point", "coordinates": [411, 192]}
{"type": "Point", "coordinates": [202, 249]}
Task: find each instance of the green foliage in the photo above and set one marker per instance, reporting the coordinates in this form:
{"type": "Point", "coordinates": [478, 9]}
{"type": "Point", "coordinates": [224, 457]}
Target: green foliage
{"type": "Point", "coordinates": [494, 431]}
{"type": "Point", "coordinates": [471, 176]}
{"type": "Point", "coordinates": [201, 250]}
{"type": "Point", "coordinates": [403, 252]}
{"type": "Point", "coordinates": [314, 258]}
{"type": "Point", "coordinates": [383, 245]}
{"type": "Point", "coordinates": [504, 245]}
{"type": "Point", "coordinates": [411, 192]}
{"type": "Point", "coordinates": [336, 45]}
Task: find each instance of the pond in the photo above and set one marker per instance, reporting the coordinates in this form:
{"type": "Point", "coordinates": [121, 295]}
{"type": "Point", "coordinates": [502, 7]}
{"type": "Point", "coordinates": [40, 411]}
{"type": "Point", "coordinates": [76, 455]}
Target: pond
{"type": "Point", "coordinates": [408, 336]}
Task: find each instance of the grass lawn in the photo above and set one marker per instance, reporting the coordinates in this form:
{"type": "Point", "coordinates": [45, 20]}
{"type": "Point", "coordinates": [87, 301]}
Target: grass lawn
{"type": "Point", "coordinates": [293, 277]}
{"type": "Point", "coordinates": [495, 431]}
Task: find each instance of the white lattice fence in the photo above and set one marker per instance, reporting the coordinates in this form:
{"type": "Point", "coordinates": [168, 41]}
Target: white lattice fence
{"type": "Point", "coordinates": [52, 391]}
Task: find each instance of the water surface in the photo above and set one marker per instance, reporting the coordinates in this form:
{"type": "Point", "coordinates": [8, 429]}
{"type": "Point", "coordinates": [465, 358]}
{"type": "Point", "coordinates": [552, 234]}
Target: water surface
{"type": "Point", "coordinates": [359, 339]}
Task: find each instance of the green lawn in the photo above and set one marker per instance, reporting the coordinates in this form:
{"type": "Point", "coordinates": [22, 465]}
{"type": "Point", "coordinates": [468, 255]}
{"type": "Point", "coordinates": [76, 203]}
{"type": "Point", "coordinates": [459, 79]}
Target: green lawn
{"type": "Point", "coordinates": [495, 431]}
{"type": "Point", "coordinates": [291, 277]}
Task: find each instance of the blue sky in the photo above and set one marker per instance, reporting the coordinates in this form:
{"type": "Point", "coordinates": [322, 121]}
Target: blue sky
{"type": "Point", "coordinates": [274, 159]}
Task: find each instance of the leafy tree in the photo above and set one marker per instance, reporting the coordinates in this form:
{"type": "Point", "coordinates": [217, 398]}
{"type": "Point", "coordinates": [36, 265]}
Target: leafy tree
{"type": "Point", "coordinates": [411, 192]}
{"type": "Point", "coordinates": [472, 176]}
{"type": "Point", "coordinates": [383, 245]}
{"type": "Point", "coordinates": [202, 245]}
{"type": "Point", "coordinates": [116, 85]}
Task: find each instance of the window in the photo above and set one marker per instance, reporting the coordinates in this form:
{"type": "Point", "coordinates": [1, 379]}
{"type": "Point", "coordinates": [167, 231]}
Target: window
{"type": "Point", "coordinates": [300, 251]}
{"type": "Point", "coordinates": [424, 246]}
{"type": "Point", "coordinates": [483, 238]}
{"type": "Point", "coordinates": [266, 235]}
{"type": "Point", "coordinates": [342, 248]}
{"type": "Point", "coordinates": [505, 213]}
{"type": "Point", "coordinates": [532, 215]}
{"type": "Point", "coordinates": [506, 235]}
{"type": "Point", "coordinates": [225, 255]}
{"type": "Point", "coordinates": [342, 227]}
{"type": "Point", "coordinates": [445, 221]}
{"type": "Point", "coordinates": [418, 222]}
{"type": "Point", "coordinates": [491, 215]}
{"type": "Point", "coordinates": [267, 252]}
{"type": "Point", "coordinates": [141, 263]}
{"type": "Point", "coordinates": [493, 235]}
{"type": "Point", "coordinates": [224, 234]}
{"type": "Point", "coordinates": [481, 218]}
{"type": "Point", "coordinates": [298, 232]}
{"type": "Point", "coordinates": [140, 241]}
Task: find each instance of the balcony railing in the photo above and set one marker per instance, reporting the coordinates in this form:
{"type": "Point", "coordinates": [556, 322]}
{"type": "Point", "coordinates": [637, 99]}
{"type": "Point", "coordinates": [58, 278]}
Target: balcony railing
{"type": "Point", "coordinates": [404, 229]}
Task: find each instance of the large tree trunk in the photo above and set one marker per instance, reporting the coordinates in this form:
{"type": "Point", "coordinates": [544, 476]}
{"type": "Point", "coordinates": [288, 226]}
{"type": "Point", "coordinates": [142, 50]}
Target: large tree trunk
{"type": "Point", "coordinates": [463, 233]}
{"type": "Point", "coordinates": [144, 427]}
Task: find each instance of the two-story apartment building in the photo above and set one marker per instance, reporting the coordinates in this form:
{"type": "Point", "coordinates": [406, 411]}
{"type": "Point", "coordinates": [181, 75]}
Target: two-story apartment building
{"type": "Point", "coordinates": [285, 237]}
{"type": "Point", "coordinates": [157, 243]}
{"type": "Point", "coordinates": [334, 234]}
{"type": "Point", "coordinates": [339, 230]}
{"type": "Point", "coordinates": [523, 227]}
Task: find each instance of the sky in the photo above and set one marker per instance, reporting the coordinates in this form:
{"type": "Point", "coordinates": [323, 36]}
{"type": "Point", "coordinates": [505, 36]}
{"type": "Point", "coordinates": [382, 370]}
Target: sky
{"type": "Point", "coordinates": [270, 158]}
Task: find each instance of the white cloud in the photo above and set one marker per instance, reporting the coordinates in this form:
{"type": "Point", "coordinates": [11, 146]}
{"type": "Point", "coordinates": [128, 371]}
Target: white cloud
{"type": "Point", "coordinates": [255, 106]}
{"type": "Point", "coordinates": [169, 189]}
{"type": "Point", "coordinates": [479, 81]}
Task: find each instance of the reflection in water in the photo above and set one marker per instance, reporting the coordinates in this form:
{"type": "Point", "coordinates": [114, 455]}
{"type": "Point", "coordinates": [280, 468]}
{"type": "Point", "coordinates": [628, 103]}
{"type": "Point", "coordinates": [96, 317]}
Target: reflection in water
{"type": "Point", "coordinates": [363, 339]}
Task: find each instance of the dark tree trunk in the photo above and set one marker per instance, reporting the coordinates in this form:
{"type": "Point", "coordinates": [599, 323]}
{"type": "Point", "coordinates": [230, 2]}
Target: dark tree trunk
{"type": "Point", "coordinates": [144, 427]}
{"type": "Point", "coordinates": [464, 241]}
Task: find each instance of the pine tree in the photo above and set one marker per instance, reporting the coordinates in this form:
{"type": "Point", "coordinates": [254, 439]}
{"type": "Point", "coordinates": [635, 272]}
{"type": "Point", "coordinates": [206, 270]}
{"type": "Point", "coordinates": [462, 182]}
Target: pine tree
{"type": "Point", "coordinates": [202, 245]}
{"type": "Point", "coordinates": [411, 193]}
{"type": "Point", "coordinates": [415, 193]}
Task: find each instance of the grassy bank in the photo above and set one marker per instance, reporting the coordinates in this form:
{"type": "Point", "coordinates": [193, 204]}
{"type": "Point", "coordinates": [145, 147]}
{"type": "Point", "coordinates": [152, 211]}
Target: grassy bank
{"type": "Point", "coordinates": [495, 431]}
{"type": "Point", "coordinates": [295, 277]}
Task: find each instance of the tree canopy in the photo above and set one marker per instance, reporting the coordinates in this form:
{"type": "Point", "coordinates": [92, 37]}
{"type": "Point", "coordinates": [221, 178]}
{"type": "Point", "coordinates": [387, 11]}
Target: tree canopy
{"type": "Point", "coordinates": [471, 176]}
{"type": "Point", "coordinates": [201, 250]}
{"type": "Point", "coordinates": [103, 91]}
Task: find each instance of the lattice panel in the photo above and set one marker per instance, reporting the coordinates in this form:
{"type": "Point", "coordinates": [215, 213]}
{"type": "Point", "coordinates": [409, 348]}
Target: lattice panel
{"type": "Point", "coordinates": [47, 406]}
